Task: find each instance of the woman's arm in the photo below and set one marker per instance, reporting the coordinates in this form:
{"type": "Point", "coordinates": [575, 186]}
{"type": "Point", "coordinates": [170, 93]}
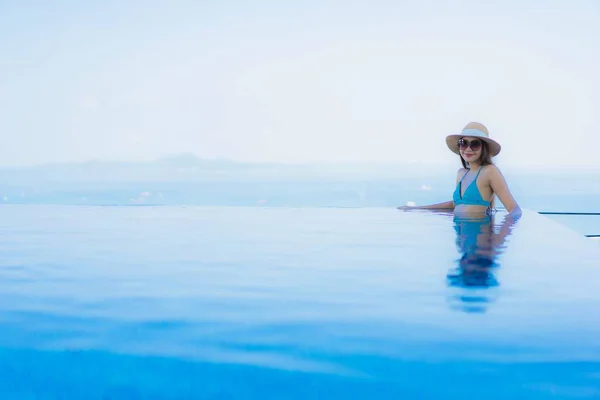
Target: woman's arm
{"type": "Point", "coordinates": [438, 206]}
{"type": "Point", "coordinates": [446, 205]}
{"type": "Point", "coordinates": [500, 188]}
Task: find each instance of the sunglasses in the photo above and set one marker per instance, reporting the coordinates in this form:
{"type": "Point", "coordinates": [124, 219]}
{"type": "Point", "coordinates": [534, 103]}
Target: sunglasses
{"type": "Point", "coordinates": [475, 144]}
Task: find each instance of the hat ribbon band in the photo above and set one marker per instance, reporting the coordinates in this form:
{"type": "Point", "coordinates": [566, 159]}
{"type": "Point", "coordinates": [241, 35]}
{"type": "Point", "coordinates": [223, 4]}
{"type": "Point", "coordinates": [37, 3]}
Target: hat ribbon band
{"type": "Point", "coordinates": [473, 132]}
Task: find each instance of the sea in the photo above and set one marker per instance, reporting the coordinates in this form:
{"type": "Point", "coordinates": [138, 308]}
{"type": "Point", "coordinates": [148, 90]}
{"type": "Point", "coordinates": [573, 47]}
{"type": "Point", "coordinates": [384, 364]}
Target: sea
{"type": "Point", "coordinates": [560, 191]}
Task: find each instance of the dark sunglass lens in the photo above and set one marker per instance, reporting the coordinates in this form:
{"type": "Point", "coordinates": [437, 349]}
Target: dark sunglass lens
{"type": "Point", "coordinates": [475, 144]}
{"type": "Point", "coordinates": [461, 144]}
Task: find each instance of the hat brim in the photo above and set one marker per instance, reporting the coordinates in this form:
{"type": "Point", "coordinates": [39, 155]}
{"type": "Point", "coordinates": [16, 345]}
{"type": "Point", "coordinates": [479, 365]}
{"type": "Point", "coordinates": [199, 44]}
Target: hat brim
{"type": "Point", "coordinates": [452, 142]}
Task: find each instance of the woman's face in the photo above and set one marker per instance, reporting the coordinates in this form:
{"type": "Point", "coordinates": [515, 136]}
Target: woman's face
{"type": "Point", "coordinates": [470, 148]}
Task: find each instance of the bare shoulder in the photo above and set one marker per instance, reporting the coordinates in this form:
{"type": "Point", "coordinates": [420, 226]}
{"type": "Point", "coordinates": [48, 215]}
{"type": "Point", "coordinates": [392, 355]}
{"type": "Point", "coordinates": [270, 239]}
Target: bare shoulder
{"type": "Point", "coordinates": [491, 171]}
{"type": "Point", "coordinates": [492, 175]}
{"type": "Point", "coordinates": [460, 173]}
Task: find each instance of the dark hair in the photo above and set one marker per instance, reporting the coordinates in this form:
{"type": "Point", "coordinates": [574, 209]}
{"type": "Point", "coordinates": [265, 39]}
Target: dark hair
{"type": "Point", "coordinates": [486, 158]}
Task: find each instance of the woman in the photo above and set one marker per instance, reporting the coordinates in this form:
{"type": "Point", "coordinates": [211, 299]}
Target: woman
{"type": "Point", "coordinates": [479, 181]}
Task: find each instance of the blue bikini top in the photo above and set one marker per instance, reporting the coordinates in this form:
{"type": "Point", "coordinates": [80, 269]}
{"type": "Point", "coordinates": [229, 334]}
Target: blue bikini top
{"type": "Point", "coordinates": [472, 195]}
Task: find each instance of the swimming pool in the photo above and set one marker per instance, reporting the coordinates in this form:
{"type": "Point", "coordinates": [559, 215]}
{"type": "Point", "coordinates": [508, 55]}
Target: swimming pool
{"type": "Point", "coordinates": [199, 302]}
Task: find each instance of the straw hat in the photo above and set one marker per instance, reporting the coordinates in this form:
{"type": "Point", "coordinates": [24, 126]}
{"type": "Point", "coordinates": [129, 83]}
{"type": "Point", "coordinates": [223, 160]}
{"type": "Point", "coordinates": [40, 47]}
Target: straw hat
{"type": "Point", "coordinates": [473, 129]}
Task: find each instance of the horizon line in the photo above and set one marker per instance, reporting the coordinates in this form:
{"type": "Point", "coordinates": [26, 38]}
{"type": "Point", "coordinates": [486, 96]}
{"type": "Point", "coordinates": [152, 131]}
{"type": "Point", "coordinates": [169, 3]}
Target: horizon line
{"type": "Point", "coordinates": [191, 156]}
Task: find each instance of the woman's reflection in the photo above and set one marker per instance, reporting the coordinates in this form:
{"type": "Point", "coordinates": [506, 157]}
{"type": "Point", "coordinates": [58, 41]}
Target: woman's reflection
{"type": "Point", "coordinates": [480, 242]}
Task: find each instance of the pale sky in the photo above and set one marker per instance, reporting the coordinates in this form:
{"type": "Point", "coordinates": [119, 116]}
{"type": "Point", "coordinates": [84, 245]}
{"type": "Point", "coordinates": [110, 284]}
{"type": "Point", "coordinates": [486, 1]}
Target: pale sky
{"type": "Point", "coordinates": [311, 81]}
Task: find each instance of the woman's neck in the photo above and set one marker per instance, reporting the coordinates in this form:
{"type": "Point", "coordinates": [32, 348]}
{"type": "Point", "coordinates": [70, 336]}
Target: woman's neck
{"type": "Point", "coordinates": [474, 165]}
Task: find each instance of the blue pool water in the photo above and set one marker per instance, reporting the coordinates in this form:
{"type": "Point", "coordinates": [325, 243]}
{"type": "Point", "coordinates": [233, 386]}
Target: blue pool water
{"type": "Point", "coordinates": [229, 303]}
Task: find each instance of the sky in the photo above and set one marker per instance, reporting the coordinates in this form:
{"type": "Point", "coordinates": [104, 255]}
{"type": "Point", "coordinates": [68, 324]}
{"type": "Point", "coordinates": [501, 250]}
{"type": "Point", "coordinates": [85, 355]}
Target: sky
{"type": "Point", "coordinates": [298, 81]}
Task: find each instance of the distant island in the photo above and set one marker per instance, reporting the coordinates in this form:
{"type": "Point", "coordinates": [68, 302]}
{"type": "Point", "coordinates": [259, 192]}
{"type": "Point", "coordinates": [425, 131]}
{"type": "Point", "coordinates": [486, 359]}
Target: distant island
{"type": "Point", "coordinates": [191, 168]}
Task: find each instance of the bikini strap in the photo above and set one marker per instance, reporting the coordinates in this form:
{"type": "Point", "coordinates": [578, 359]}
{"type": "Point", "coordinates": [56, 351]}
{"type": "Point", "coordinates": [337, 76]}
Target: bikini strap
{"type": "Point", "coordinates": [478, 171]}
{"type": "Point", "coordinates": [463, 177]}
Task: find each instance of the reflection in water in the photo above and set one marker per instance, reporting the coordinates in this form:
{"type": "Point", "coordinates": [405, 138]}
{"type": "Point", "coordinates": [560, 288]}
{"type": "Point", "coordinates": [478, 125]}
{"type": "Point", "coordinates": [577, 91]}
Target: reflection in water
{"type": "Point", "coordinates": [480, 242]}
